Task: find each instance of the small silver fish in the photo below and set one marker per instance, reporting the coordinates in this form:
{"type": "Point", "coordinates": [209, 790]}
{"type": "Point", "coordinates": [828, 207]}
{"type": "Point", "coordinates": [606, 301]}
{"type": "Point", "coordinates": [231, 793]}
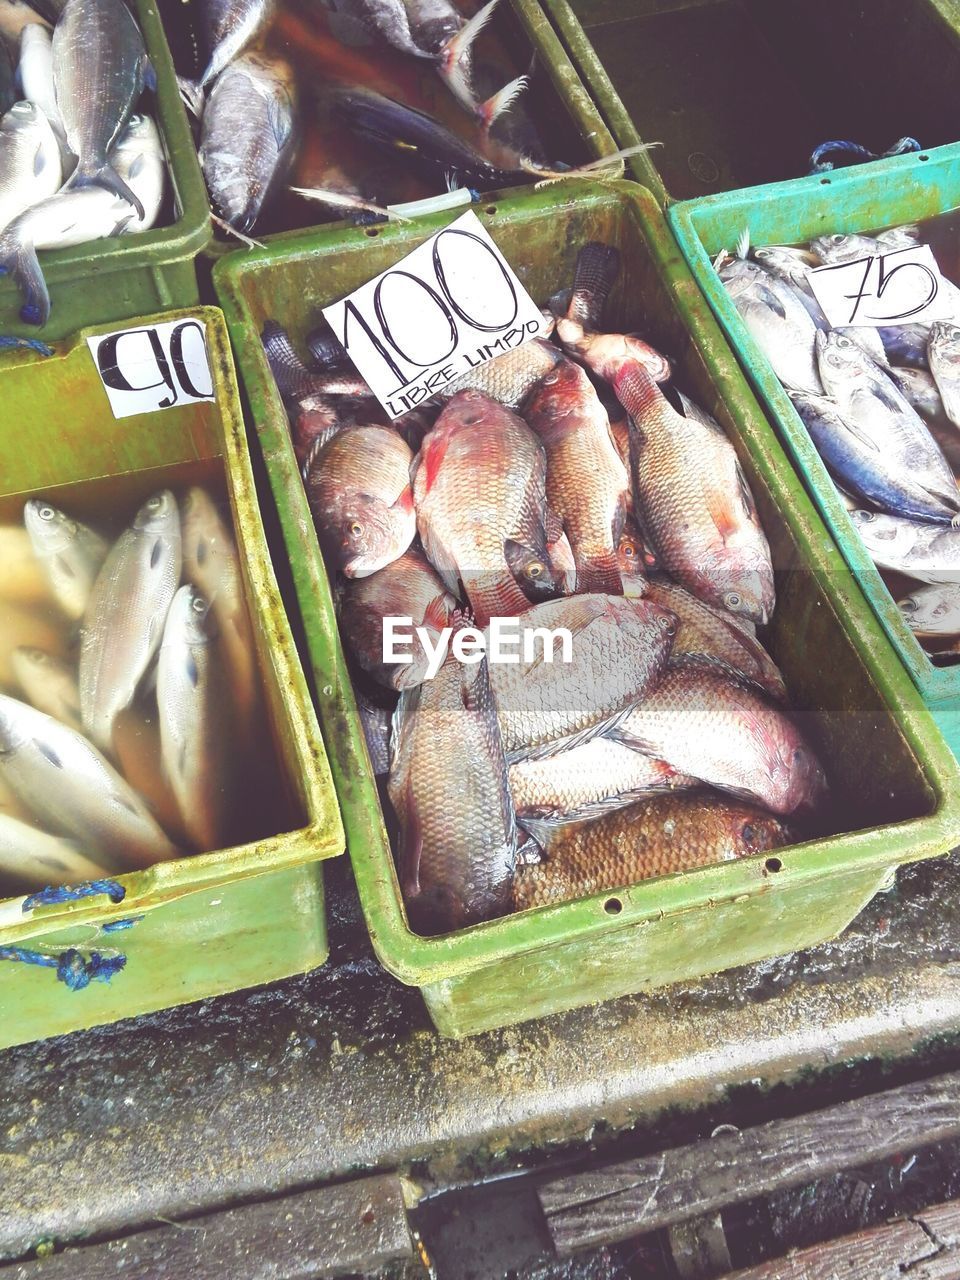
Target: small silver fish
{"type": "Point", "coordinates": [32, 858]}
{"type": "Point", "coordinates": [943, 353]}
{"type": "Point", "coordinates": [123, 624]}
{"type": "Point", "coordinates": [29, 160]}
{"type": "Point", "coordinates": [228, 28]}
{"type": "Point", "coordinates": [777, 320]}
{"type": "Point", "coordinates": [70, 554]}
{"type": "Point", "coordinates": [927, 552]}
{"type": "Point", "coordinates": [36, 75]}
{"type": "Point", "coordinates": [49, 684]}
{"type": "Point", "coordinates": [934, 611]}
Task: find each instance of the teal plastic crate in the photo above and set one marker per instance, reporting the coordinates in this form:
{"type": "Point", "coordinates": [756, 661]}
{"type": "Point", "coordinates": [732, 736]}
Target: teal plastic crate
{"type": "Point", "coordinates": [883, 194]}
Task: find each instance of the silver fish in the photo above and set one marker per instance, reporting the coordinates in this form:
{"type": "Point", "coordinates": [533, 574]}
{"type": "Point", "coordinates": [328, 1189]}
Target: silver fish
{"type": "Point", "coordinates": [29, 160]}
{"type": "Point", "coordinates": [927, 552]}
{"type": "Point", "coordinates": [33, 859]}
{"type": "Point", "coordinates": [943, 353]}
{"type": "Point", "coordinates": [193, 697]}
{"type": "Point", "coordinates": [73, 791]}
{"type": "Point", "coordinates": [70, 554]}
{"type": "Point", "coordinates": [920, 389]}
{"type": "Point", "coordinates": [36, 74]}
{"type": "Point", "coordinates": [934, 611]}
{"type": "Point", "coordinates": [777, 320]}
{"type": "Point", "coordinates": [100, 67]}
{"type": "Point", "coordinates": [49, 684]}
{"type": "Point", "coordinates": [228, 28]}
{"type": "Point", "coordinates": [123, 625]}
{"type": "Point", "coordinates": [248, 136]}
{"type": "Point", "coordinates": [880, 416]}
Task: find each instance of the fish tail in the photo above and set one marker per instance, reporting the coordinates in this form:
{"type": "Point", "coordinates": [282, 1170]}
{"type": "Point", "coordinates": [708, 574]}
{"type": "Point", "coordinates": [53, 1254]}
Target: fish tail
{"type": "Point", "coordinates": [191, 94]}
{"type": "Point", "coordinates": [635, 388]}
{"type": "Point", "coordinates": [494, 107]}
{"type": "Point", "coordinates": [106, 176]}
{"type": "Point", "coordinates": [18, 258]}
{"type": "Point", "coordinates": [457, 55]}
{"type": "Point", "coordinates": [743, 243]}
{"type": "Point", "coordinates": [598, 266]}
{"type": "Point", "coordinates": [495, 597]}
{"type": "Point", "coordinates": [599, 574]}
{"type": "Point", "coordinates": [290, 373]}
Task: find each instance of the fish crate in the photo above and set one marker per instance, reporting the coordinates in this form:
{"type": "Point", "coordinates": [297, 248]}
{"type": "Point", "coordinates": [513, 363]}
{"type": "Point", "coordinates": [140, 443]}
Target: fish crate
{"type": "Point", "coordinates": [898, 782]}
{"type": "Point", "coordinates": [520, 37]}
{"type": "Point", "coordinates": [202, 925]}
{"type": "Point", "coordinates": [132, 275]}
{"type": "Point", "coordinates": [868, 198]}
{"type": "Point", "coordinates": [740, 92]}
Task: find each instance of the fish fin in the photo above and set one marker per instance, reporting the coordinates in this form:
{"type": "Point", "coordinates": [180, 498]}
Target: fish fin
{"type": "Point", "coordinates": [442, 561]}
{"type": "Point", "coordinates": [743, 243]}
{"type": "Point", "coordinates": [437, 612]}
{"type": "Point", "coordinates": [552, 526]}
{"type": "Point", "coordinates": [599, 573]}
{"type": "Point", "coordinates": [595, 274]}
{"type": "Point", "coordinates": [858, 434]}
{"type": "Point", "coordinates": [490, 111]}
{"type": "Point", "coordinates": [19, 259]}
{"type": "Point", "coordinates": [457, 54]}
{"type": "Point", "coordinates": [746, 493]}
{"type": "Point", "coordinates": [106, 176]}
{"type": "Point", "coordinates": [635, 741]}
{"type": "Point", "coordinates": [717, 502]}
{"type": "Point", "coordinates": [605, 728]}
{"type": "Point", "coordinates": [280, 120]}
{"type": "Point", "coordinates": [191, 95]}
{"type": "Point", "coordinates": [593, 169]}
{"type": "Point", "coordinates": [148, 73]}
{"type": "Point", "coordinates": [583, 610]}
{"type": "Point", "coordinates": [771, 301]}
{"type": "Point", "coordinates": [405, 501]}
{"type": "Point", "coordinates": [339, 200]}
{"type": "Point", "coordinates": [39, 161]}
{"type": "Point", "coordinates": [411, 845]}
{"type": "Point", "coordinates": [495, 597]}
{"type": "Point", "coordinates": [120, 227]}
{"type": "Point", "coordinates": [889, 395]}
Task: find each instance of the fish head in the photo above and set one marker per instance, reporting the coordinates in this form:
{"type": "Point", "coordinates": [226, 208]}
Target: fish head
{"type": "Point", "coordinates": [198, 619]}
{"type": "Point", "coordinates": [842, 248]}
{"type": "Point", "coordinates": [806, 783]}
{"type": "Point", "coordinates": [945, 342]}
{"type": "Point", "coordinates": [157, 513]}
{"type": "Point", "coordinates": [746, 590]}
{"type": "Point", "coordinates": [14, 731]}
{"type": "Point", "coordinates": [881, 533]}
{"type": "Point", "coordinates": [50, 529]}
{"type": "Point", "coordinates": [539, 577]}
{"type": "Point", "coordinates": [369, 534]}
{"type": "Point", "coordinates": [22, 115]}
{"type": "Point", "coordinates": [934, 609]}
{"type": "Point", "coordinates": [842, 360]}
{"type": "Point", "coordinates": [751, 830]}
{"type": "Point", "coordinates": [557, 394]}
{"type": "Point", "coordinates": [435, 33]}
{"type": "Point", "coordinates": [632, 557]}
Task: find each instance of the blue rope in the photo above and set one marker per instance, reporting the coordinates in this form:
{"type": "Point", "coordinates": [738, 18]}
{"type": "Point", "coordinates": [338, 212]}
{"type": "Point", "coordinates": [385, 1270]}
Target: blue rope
{"type": "Point", "coordinates": [116, 925]}
{"type": "Point", "coordinates": [857, 153]}
{"type": "Point", "coordinates": [72, 969]}
{"type": "Point", "coordinates": [71, 893]}
{"type": "Point", "coordinates": [32, 344]}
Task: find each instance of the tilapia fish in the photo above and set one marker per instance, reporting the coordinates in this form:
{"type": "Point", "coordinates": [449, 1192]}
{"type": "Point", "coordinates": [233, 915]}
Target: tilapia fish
{"type": "Point", "coordinates": [198, 746]}
{"type": "Point", "coordinates": [618, 650]}
{"type": "Point", "coordinates": [358, 486]}
{"type": "Point", "coordinates": [588, 780]}
{"type": "Point", "coordinates": [653, 837]}
{"type": "Point", "coordinates": [123, 623]}
{"type": "Point", "coordinates": [479, 485]}
{"type": "Point", "coordinates": [69, 552]}
{"type": "Point", "coordinates": [605, 354]}
{"type": "Point", "coordinates": [29, 160]}
{"type": "Point", "coordinates": [717, 635]}
{"type": "Point", "coordinates": [248, 136]}
{"type": "Point", "coordinates": [927, 552]}
{"type": "Point", "coordinates": [375, 722]}
{"type": "Point", "coordinates": [709, 725]}
{"type": "Point", "coordinates": [407, 588]}
{"type": "Point", "coordinates": [943, 354]}
{"type": "Point", "coordinates": [934, 611]}
{"type": "Point", "coordinates": [227, 28]}
{"type": "Point", "coordinates": [587, 485]}
{"type": "Point", "coordinates": [508, 378]}
{"type": "Point", "coordinates": [632, 558]}
{"type": "Point", "coordinates": [48, 683]}
{"type": "Point", "coordinates": [100, 67]}
{"type": "Point", "coordinates": [32, 859]}
{"type": "Point", "coordinates": [73, 791]}
{"type": "Point", "coordinates": [880, 417]}
{"type": "Point", "coordinates": [778, 322]}
{"type": "Point", "coordinates": [696, 503]}
{"type": "Point", "coordinates": [448, 785]}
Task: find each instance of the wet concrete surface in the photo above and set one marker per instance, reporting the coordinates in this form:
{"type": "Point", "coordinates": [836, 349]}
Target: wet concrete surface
{"type": "Point", "coordinates": [319, 1077]}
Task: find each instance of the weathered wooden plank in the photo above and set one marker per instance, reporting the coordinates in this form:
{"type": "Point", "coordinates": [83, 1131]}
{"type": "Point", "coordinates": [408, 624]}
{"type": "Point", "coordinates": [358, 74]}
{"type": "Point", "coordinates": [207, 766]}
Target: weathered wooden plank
{"type": "Point", "coordinates": [638, 1196]}
{"type": "Point", "coordinates": [699, 1248]}
{"type": "Point", "coordinates": [943, 1222]}
{"type": "Point", "coordinates": [882, 1253]}
{"type": "Point", "coordinates": [353, 1227]}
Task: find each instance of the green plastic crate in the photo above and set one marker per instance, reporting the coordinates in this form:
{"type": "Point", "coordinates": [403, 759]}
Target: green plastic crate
{"type": "Point", "coordinates": [218, 921]}
{"type": "Point", "coordinates": [572, 112]}
{"type": "Point", "coordinates": [900, 783]}
{"type": "Point", "coordinates": [741, 91]}
{"type": "Point", "coordinates": [865, 198]}
{"type": "Point", "coordinates": [126, 276]}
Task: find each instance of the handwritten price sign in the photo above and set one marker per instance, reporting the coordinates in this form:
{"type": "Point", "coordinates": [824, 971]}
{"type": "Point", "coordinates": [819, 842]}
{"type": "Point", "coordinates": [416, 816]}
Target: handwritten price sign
{"type": "Point", "coordinates": [885, 289]}
{"type": "Point", "coordinates": [154, 366]}
{"type": "Point", "coordinates": [452, 304]}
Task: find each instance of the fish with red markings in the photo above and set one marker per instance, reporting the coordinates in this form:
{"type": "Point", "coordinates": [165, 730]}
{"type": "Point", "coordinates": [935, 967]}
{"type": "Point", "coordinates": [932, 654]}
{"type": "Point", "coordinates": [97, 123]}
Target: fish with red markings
{"type": "Point", "coordinates": [587, 484]}
{"type": "Point", "coordinates": [480, 496]}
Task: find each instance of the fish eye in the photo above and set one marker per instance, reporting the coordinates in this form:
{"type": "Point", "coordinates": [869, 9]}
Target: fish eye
{"type": "Point", "coordinates": [628, 549]}
{"type": "Point", "coordinates": [356, 528]}
{"type": "Point", "coordinates": [733, 600]}
{"type": "Point", "coordinates": [867, 517]}
{"type": "Point", "coordinates": [798, 754]}
{"type": "Point", "coordinates": [536, 569]}
{"type": "Point", "coordinates": [909, 605]}
{"type": "Point", "coordinates": [155, 502]}
{"type": "Point", "coordinates": [837, 239]}
{"type": "Point", "coordinates": [46, 513]}
{"type": "Point", "coordinates": [198, 605]}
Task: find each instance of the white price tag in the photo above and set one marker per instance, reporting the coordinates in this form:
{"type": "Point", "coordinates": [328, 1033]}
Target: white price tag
{"type": "Point", "coordinates": [155, 366]}
{"type": "Point", "coordinates": [450, 305]}
{"type": "Point", "coordinates": [902, 287]}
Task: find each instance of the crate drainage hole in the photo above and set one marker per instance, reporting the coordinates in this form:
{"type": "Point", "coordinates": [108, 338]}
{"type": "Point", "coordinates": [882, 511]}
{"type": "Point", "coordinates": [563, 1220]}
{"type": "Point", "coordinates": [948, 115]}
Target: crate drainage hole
{"type": "Point", "coordinates": [373, 231]}
{"type": "Point", "coordinates": [613, 906]}
{"type": "Point", "coordinates": [923, 157]}
{"type": "Point", "coordinates": [773, 864]}
{"type": "Point", "coordinates": [824, 182]}
{"type": "Point", "coordinates": [491, 208]}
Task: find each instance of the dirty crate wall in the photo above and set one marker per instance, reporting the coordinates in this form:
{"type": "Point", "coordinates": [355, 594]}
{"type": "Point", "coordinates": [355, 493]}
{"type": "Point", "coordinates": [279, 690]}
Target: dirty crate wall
{"type": "Point", "coordinates": [131, 275]}
{"type": "Point", "coordinates": [741, 91]}
{"type": "Point", "coordinates": [866, 198]}
{"type": "Point", "coordinates": [880, 747]}
{"type": "Point", "coordinates": [218, 921]}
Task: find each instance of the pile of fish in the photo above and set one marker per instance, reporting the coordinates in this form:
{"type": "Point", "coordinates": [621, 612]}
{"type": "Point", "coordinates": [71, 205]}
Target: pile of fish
{"type": "Point", "coordinates": [249, 100]}
{"type": "Point", "coordinates": [882, 406]}
{"type": "Point", "coordinates": [559, 485]}
{"type": "Point", "coordinates": [76, 164]}
{"type": "Point", "coordinates": [130, 691]}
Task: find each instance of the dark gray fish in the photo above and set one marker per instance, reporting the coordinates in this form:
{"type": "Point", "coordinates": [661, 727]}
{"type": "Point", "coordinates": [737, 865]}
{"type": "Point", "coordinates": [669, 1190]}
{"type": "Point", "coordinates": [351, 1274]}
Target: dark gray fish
{"type": "Point", "coordinates": [326, 349]}
{"type": "Point", "coordinates": [248, 136]}
{"type": "Point", "coordinates": [8, 79]}
{"type": "Point", "coordinates": [227, 28]}
{"type": "Point", "coordinates": [595, 274]}
{"type": "Point", "coordinates": [100, 67]}
{"type": "Point", "coordinates": [375, 722]}
{"type": "Point", "coordinates": [291, 375]}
